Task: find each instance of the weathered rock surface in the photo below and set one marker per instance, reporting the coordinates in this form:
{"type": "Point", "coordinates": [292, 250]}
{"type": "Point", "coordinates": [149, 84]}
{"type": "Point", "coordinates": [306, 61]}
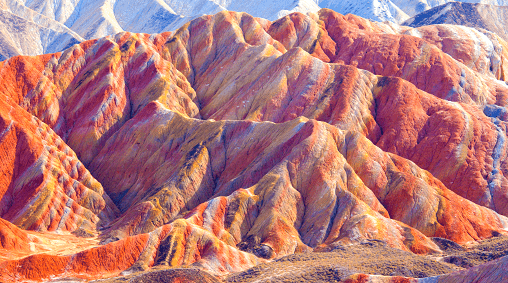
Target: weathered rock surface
{"type": "Point", "coordinates": [480, 50]}
{"type": "Point", "coordinates": [44, 186]}
{"type": "Point", "coordinates": [192, 161]}
{"type": "Point", "coordinates": [182, 162]}
{"type": "Point", "coordinates": [308, 144]}
{"type": "Point", "coordinates": [19, 36]}
{"type": "Point", "coordinates": [384, 51]}
{"type": "Point", "coordinates": [175, 244]}
{"type": "Point", "coordinates": [90, 90]}
{"type": "Point", "coordinates": [11, 237]}
{"type": "Point", "coordinates": [298, 81]}
{"type": "Point", "coordinates": [53, 23]}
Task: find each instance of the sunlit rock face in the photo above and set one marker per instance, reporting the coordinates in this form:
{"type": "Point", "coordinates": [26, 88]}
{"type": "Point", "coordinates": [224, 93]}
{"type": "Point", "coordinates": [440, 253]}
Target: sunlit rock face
{"type": "Point", "coordinates": [236, 140]}
{"type": "Point", "coordinates": [44, 185]}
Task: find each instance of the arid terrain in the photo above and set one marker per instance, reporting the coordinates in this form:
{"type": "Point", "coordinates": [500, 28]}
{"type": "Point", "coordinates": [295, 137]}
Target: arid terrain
{"type": "Point", "coordinates": [318, 146]}
{"type": "Point", "coordinates": [343, 263]}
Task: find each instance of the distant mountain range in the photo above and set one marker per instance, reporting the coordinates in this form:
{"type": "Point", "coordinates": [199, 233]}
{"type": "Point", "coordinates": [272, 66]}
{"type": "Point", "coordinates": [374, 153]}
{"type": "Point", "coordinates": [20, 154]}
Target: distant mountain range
{"type": "Point", "coordinates": [489, 17]}
{"type": "Point", "coordinates": [44, 26]}
{"type": "Point", "coordinates": [26, 32]}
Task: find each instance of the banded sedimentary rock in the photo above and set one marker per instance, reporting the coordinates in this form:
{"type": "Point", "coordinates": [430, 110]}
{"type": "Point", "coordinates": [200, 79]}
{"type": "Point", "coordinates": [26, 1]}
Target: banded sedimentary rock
{"type": "Point", "coordinates": [177, 163]}
{"type": "Point", "coordinates": [90, 90]}
{"type": "Point", "coordinates": [175, 244]}
{"type": "Point", "coordinates": [378, 49]}
{"type": "Point", "coordinates": [334, 89]}
{"type": "Point", "coordinates": [306, 145]}
{"type": "Point", "coordinates": [281, 87]}
{"type": "Point", "coordinates": [481, 51]}
{"type": "Point", "coordinates": [12, 238]}
{"type": "Point", "coordinates": [44, 186]}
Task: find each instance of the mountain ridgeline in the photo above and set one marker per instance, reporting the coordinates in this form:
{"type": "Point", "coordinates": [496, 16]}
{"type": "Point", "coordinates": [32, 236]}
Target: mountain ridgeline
{"type": "Point", "coordinates": [237, 143]}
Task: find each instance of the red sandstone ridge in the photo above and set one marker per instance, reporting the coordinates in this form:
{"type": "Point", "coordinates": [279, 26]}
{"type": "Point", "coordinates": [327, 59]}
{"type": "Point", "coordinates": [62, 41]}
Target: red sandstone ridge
{"type": "Point", "coordinates": [254, 76]}
{"type": "Point", "coordinates": [384, 51]}
{"type": "Point", "coordinates": [479, 50]}
{"type": "Point", "coordinates": [44, 186]}
{"type": "Point", "coordinates": [179, 163]}
{"type": "Point", "coordinates": [323, 130]}
{"type": "Point", "coordinates": [264, 81]}
{"type": "Point", "coordinates": [87, 92]}
{"type": "Point", "coordinates": [11, 237]}
{"type": "Point", "coordinates": [175, 244]}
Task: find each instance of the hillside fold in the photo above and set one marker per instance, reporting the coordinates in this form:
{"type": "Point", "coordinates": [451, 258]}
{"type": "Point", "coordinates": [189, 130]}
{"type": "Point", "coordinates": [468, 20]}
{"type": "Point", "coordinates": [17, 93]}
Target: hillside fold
{"type": "Point", "coordinates": [236, 141]}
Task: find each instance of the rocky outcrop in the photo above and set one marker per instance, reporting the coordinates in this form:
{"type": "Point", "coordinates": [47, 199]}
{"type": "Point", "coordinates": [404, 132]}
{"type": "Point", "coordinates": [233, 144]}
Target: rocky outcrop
{"type": "Point", "coordinates": [357, 102]}
{"type": "Point", "coordinates": [192, 161]}
{"type": "Point", "coordinates": [89, 91]}
{"type": "Point", "coordinates": [383, 51]}
{"type": "Point", "coordinates": [482, 51]}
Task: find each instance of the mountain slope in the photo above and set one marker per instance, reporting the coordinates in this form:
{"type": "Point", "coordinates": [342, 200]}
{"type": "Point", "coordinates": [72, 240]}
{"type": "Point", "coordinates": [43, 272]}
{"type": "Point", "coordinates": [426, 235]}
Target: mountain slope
{"type": "Point", "coordinates": [44, 186]}
{"type": "Point", "coordinates": [489, 17]}
{"type": "Point", "coordinates": [25, 32]}
{"type": "Point", "coordinates": [112, 102]}
{"type": "Point", "coordinates": [235, 141]}
{"type": "Point", "coordinates": [414, 7]}
{"type": "Point", "coordinates": [200, 78]}
{"type": "Point", "coordinates": [377, 10]}
{"type": "Point", "coordinates": [90, 19]}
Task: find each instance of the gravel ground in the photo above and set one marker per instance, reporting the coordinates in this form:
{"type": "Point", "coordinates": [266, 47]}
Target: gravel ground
{"type": "Point", "coordinates": [369, 257]}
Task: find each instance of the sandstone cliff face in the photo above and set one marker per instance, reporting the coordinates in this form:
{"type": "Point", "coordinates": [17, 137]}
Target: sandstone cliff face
{"type": "Point", "coordinates": [235, 140]}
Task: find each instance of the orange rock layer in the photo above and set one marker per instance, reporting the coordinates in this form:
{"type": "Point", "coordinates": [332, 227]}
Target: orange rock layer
{"type": "Point", "coordinates": [44, 186]}
{"type": "Point", "coordinates": [345, 130]}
